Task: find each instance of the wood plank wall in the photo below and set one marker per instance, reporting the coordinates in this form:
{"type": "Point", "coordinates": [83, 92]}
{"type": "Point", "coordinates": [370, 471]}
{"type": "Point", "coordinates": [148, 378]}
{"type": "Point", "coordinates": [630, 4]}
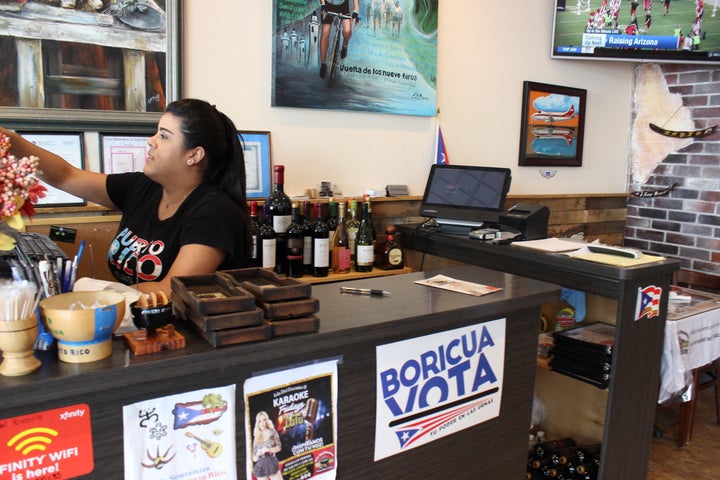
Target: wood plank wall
{"type": "Point", "coordinates": [597, 216]}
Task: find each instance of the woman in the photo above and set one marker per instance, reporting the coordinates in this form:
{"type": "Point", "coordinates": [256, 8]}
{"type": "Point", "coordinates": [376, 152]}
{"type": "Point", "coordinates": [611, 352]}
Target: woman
{"type": "Point", "coordinates": [266, 443]}
{"type": "Point", "coordinates": [186, 214]}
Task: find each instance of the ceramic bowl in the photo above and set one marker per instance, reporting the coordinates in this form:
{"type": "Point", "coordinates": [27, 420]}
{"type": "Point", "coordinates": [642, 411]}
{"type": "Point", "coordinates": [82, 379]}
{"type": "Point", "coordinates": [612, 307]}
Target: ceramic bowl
{"type": "Point", "coordinates": [150, 318]}
{"type": "Point", "coordinates": [83, 323]}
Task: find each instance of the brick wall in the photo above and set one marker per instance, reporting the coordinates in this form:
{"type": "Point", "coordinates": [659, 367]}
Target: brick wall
{"type": "Point", "coordinates": [685, 224]}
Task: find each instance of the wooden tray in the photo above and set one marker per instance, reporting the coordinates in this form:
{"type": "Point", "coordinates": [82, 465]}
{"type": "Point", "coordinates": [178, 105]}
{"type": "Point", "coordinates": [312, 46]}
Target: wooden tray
{"type": "Point", "coordinates": [211, 294]}
{"type": "Point", "coordinates": [266, 285]}
{"type": "Point", "coordinates": [291, 308]}
{"type": "Point", "coordinates": [234, 336]}
{"type": "Point", "coordinates": [220, 321]}
{"type": "Point", "coordinates": [308, 324]}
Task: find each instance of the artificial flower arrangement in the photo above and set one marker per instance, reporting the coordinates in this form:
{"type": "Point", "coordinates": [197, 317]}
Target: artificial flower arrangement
{"type": "Point", "coordinates": [20, 190]}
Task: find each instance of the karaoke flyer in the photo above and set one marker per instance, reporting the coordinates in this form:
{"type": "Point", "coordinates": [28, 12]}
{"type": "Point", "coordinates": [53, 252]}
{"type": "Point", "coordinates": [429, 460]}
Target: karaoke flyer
{"type": "Point", "coordinates": [291, 423]}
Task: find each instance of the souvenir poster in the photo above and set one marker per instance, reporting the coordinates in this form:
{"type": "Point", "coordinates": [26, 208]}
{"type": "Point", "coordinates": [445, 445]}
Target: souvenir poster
{"type": "Point", "coordinates": [433, 386]}
{"type": "Point", "coordinates": [189, 436]}
{"type": "Point", "coordinates": [381, 56]}
{"type": "Point", "coordinates": [291, 423]}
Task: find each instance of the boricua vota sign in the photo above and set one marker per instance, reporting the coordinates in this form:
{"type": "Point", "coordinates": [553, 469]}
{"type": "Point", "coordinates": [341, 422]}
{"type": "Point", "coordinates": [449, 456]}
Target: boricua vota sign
{"type": "Point", "coordinates": [432, 386]}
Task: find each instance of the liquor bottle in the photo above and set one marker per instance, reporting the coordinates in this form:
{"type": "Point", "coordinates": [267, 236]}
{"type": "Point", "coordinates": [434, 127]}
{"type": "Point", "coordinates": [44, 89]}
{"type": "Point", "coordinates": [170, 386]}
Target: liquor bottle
{"type": "Point", "coordinates": [391, 253]}
{"type": "Point", "coordinates": [281, 215]}
{"type": "Point", "coordinates": [321, 242]}
{"type": "Point", "coordinates": [268, 240]}
{"type": "Point", "coordinates": [340, 255]}
{"type": "Point", "coordinates": [295, 243]}
{"type": "Point", "coordinates": [255, 249]}
{"type": "Point", "coordinates": [307, 225]}
{"type": "Point", "coordinates": [352, 224]}
{"type": "Point", "coordinates": [364, 253]}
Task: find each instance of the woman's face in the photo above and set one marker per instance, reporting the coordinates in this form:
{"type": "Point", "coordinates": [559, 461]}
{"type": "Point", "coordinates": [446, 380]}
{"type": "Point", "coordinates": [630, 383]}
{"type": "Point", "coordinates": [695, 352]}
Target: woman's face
{"type": "Point", "coordinates": [167, 155]}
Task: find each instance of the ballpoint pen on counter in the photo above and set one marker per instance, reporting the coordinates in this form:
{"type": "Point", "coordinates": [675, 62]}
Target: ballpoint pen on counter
{"type": "Point", "coordinates": [365, 291]}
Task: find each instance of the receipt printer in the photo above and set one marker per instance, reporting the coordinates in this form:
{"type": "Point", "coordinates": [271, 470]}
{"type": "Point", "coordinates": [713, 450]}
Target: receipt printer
{"type": "Point", "coordinates": [530, 220]}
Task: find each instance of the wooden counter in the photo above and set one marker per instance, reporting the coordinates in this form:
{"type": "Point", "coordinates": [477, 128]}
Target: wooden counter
{"type": "Point", "coordinates": [625, 412]}
{"type": "Point", "coordinates": [351, 326]}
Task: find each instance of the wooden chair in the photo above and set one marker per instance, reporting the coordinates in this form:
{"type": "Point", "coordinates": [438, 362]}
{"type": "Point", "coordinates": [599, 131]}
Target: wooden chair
{"type": "Point", "coordinates": [707, 376]}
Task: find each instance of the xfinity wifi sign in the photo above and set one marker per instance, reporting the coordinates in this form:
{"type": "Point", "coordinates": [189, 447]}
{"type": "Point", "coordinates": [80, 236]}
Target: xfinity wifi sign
{"type": "Point", "coordinates": [436, 385]}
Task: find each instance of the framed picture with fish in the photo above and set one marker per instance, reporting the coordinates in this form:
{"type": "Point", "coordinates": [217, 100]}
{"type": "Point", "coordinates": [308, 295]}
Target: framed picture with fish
{"type": "Point", "coordinates": [553, 125]}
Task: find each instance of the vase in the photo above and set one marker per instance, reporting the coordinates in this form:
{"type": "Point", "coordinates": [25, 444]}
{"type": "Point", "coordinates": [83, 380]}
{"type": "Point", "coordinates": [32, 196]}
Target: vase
{"type": "Point", "coordinates": [17, 341]}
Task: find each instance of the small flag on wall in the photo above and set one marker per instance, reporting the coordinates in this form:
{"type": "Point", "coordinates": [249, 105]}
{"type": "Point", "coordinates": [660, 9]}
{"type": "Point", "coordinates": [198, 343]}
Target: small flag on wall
{"type": "Point", "coordinates": [441, 155]}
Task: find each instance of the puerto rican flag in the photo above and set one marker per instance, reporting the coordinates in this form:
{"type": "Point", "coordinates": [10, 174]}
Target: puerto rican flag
{"type": "Point", "coordinates": [195, 413]}
{"type": "Point", "coordinates": [648, 302]}
{"type": "Point", "coordinates": [441, 155]}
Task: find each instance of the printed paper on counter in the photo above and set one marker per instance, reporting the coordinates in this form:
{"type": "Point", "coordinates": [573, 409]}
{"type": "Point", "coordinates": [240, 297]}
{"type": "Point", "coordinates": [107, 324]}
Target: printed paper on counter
{"type": "Point", "coordinates": [291, 423]}
{"type": "Point", "coordinates": [460, 286]}
{"type": "Point", "coordinates": [432, 386]}
{"type": "Point", "coordinates": [189, 435]}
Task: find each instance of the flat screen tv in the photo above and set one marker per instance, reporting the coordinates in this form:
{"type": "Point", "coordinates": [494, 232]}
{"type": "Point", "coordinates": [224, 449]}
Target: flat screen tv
{"type": "Point", "coordinates": [465, 195]}
{"type": "Point", "coordinates": [638, 31]}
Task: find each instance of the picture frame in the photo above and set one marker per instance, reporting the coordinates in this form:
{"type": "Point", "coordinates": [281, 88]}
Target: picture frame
{"type": "Point", "coordinates": [121, 153]}
{"type": "Point", "coordinates": [552, 126]}
{"type": "Point", "coordinates": [258, 163]}
{"type": "Point", "coordinates": [141, 47]}
{"type": "Point", "coordinates": [70, 147]}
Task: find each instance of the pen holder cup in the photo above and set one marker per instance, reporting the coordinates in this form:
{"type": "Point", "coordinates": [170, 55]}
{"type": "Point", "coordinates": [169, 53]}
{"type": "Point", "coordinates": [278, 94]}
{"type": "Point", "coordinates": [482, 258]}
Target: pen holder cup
{"type": "Point", "coordinates": [17, 338]}
{"type": "Point", "coordinates": [83, 323]}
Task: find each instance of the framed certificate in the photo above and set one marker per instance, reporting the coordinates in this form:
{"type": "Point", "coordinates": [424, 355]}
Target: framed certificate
{"type": "Point", "coordinates": [256, 147]}
{"type": "Point", "coordinates": [123, 153]}
{"type": "Point", "coordinates": [70, 147]}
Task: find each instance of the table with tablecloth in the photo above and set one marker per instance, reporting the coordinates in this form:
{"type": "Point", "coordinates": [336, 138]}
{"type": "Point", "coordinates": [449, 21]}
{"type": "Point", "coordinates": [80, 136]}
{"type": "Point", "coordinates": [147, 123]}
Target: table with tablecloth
{"type": "Point", "coordinates": [692, 339]}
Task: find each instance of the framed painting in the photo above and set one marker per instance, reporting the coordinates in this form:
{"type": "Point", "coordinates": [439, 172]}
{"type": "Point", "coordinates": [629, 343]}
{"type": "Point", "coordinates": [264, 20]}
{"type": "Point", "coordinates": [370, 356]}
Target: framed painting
{"type": "Point", "coordinates": [76, 67]}
{"type": "Point", "coordinates": [70, 147]}
{"type": "Point", "coordinates": [258, 165]}
{"type": "Point", "coordinates": [553, 125]}
{"type": "Point", "coordinates": [123, 153]}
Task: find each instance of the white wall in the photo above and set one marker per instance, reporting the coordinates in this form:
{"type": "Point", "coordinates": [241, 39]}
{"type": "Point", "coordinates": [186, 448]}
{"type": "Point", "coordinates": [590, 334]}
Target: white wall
{"type": "Point", "coordinates": [484, 55]}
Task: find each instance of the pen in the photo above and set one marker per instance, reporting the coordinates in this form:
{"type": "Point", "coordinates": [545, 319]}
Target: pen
{"type": "Point", "coordinates": [365, 291]}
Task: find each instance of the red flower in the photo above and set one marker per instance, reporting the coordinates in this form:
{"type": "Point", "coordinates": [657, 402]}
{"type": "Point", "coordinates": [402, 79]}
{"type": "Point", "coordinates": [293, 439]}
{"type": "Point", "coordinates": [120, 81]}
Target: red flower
{"type": "Point", "coordinates": [35, 193]}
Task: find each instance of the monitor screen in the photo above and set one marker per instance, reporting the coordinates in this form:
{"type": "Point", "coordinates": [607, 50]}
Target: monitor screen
{"type": "Point", "coordinates": [637, 30]}
{"type": "Point", "coordinates": [465, 195]}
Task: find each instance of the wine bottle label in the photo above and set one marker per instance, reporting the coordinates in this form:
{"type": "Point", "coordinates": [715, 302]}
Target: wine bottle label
{"type": "Point", "coordinates": [281, 223]}
{"type": "Point", "coordinates": [254, 248]}
{"type": "Point", "coordinates": [268, 253]}
{"type": "Point", "coordinates": [322, 252]}
{"type": "Point", "coordinates": [341, 259]}
{"type": "Point", "coordinates": [352, 234]}
{"type": "Point", "coordinates": [295, 249]}
{"type": "Point", "coordinates": [365, 255]}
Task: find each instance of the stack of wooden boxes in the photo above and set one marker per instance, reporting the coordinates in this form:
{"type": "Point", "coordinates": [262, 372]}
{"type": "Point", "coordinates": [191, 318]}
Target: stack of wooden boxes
{"type": "Point", "coordinates": [238, 306]}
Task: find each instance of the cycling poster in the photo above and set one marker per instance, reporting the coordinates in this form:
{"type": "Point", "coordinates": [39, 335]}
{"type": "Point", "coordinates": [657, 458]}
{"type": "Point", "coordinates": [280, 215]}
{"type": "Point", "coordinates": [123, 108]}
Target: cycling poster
{"type": "Point", "coordinates": [386, 62]}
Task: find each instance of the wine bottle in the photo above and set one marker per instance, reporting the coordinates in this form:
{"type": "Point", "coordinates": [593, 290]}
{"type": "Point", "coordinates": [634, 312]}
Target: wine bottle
{"type": "Point", "coordinates": [321, 241]}
{"type": "Point", "coordinates": [340, 255]}
{"type": "Point", "coordinates": [364, 253]}
{"type": "Point", "coordinates": [332, 220]}
{"type": "Point", "coordinates": [268, 240]}
{"type": "Point", "coordinates": [281, 215]}
{"type": "Point", "coordinates": [352, 223]}
{"type": "Point", "coordinates": [544, 449]}
{"type": "Point", "coordinates": [295, 243]}
{"type": "Point", "coordinates": [255, 249]}
{"type": "Point", "coordinates": [308, 221]}
{"type": "Point", "coordinates": [391, 254]}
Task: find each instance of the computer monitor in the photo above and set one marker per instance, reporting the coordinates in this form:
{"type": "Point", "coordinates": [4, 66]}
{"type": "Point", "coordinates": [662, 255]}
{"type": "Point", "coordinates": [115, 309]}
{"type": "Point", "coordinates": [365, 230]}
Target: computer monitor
{"type": "Point", "coordinates": [465, 195]}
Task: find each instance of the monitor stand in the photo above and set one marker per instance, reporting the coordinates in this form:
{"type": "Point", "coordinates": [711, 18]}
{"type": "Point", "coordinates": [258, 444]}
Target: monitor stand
{"type": "Point", "coordinates": [457, 229]}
